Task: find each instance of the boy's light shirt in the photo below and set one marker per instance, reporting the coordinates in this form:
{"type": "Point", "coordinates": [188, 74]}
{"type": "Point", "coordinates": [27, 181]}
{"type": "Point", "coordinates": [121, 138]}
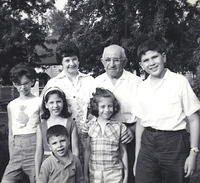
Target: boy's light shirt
{"type": "Point", "coordinates": [25, 115]}
{"type": "Point", "coordinates": [125, 91]}
{"type": "Point", "coordinates": [166, 106]}
{"type": "Point", "coordinates": [77, 93]}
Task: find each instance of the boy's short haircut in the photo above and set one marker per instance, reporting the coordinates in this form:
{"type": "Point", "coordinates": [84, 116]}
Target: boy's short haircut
{"type": "Point", "coordinates": [101, 92]}
{"type": "Point", "coordinates": [22, 69]}
{"type": "Point", "coordinates": [151, 44]}
{"type": "Point", "coordinates": [56, 130]}
{"type": "Point", "coordinates": [66, 49]}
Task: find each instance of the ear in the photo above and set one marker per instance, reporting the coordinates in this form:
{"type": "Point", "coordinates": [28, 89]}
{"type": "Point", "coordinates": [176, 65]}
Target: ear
{"type": "Point", "coordinates": [33, 82]}
{"type": "Point", "coordinates": [141, 65]}
{"type": "Point", "coordinates": [164, 57]}
{"type": "Point", "coordinates": [49, 146]}
{"type": "Point", "coordinates": [46, 106]}
{"type": "Point", "coordinates": [125, 62]}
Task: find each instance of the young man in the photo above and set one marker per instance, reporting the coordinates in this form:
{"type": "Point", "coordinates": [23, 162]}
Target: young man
{"type": "Point", "coordinates": [61, 166]}
{"type": "Point", "coordinates": [165, 103]}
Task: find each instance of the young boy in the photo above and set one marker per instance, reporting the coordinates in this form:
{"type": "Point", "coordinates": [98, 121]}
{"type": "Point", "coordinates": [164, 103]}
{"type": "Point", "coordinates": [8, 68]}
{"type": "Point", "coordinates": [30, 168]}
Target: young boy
{"type": "Point", "coordinates": [23, 118]}
{"type": "Point", "coordinates": [61, 166]}
{"type": "Point", "coordinates": [165, 104]}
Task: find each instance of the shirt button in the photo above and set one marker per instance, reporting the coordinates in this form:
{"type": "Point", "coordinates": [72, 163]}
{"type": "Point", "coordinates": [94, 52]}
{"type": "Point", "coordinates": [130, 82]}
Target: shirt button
{"type": "Point", "coordinates": [74, 96]}
{"type": "Point", "coordinates": [74, 119]}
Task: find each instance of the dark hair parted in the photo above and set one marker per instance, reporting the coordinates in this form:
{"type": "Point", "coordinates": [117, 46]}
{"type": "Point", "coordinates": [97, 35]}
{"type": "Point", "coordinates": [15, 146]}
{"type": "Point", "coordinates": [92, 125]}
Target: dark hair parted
{"type": "Point", "coordinates": [45, 112]}
{"type": "Point", "coordinates": [102, 93]}
{"type": "Point", "coordinates": [56, 130]}
{"type": "Point", "coordinates": [66, 49]}
{"type": "Point", "coordinates": [151, 44]}
{"type": "Point", "coordinates": [20, 70]}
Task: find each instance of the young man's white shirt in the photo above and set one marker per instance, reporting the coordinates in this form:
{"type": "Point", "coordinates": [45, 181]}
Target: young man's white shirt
{"type": "Point", "coordinates": [166, 105]}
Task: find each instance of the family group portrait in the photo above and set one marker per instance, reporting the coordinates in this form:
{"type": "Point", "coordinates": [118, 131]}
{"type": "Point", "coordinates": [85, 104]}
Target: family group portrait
{"type": "Point", "coordinates": [99, 91]}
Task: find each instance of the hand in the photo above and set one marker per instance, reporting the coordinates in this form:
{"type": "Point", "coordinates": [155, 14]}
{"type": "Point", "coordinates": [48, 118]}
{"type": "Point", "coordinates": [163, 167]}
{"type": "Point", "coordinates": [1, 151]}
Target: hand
{"type": "Point", "coordinates": [134, 168]}
{"type": "Point", "coordinates": [127, 137]}
{"type": "Point", "coordinates": [190, 164]}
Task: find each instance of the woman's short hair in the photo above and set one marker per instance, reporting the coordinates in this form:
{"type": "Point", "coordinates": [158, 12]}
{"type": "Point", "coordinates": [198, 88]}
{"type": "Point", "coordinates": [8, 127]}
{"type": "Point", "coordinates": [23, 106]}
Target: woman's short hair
{"type": "Point", "coordinates": [94, 101]}
{"type": "Point", "coordinates": [66, 49]}
{"type": "Point", "coordinates": [50, 91]}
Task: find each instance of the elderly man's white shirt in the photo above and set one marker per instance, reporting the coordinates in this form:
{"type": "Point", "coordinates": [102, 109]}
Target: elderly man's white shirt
{"type": "Point", "coordinates": [125, 90]}
{"type": "Point", "coordinates": [78, 93]}
{"type": "Point", "coordinates": [166, 105]}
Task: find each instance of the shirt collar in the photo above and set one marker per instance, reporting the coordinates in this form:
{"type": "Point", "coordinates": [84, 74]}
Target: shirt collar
{"type": "Point", "coordinates": [167, 75]}
{"type": "Point", "coordinates": [67, 162]}
{"type": "Point", "coordinates": [62, 75]}
{"type": "Point", "coordinates": [122, 77]}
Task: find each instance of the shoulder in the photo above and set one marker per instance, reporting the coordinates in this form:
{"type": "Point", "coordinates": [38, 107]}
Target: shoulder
{"type": "Point", "coordinates": [85, 77]}
{"type": "Point", "coordinates": [117, 123]}
{"type": "Point", "coordinates": [176, 79]}
{"type": "Point", "coordinates": [14, 102]}
{"type": "Point", "coordinates": [101, 77]}
{"type": "Point", "coordinates": [48, 162]}
{"type": "Point", "coordinates": [131, 76]}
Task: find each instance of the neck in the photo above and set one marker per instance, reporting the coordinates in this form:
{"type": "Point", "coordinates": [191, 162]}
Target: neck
{"type": "Point", "coordinates": [72, 75]}
{"type": "Point", "coordinates": [55, 118]}
{"type": "Point", "coordinates": [158, 78]}
{"type": "Point", "coordinates": [30, 95]}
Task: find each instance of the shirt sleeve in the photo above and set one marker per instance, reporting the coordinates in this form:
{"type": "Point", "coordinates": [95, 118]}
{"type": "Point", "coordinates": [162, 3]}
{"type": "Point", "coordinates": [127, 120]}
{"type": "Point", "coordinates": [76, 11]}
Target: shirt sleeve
{"type": "Point", "coordinates": [79, 173]}
{"type": "Point", "coordinates": [190, 102]}
{"type": "Point", "coordinates": [44, 173]}
{"type": "Point", "coordinates": [123, 130]}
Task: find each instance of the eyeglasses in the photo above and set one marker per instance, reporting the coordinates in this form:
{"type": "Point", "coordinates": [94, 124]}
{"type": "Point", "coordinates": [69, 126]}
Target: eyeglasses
{"type": "Point", "coordinates": [114, 59]}
{"type": "Point", "coordinates": [22, 84]}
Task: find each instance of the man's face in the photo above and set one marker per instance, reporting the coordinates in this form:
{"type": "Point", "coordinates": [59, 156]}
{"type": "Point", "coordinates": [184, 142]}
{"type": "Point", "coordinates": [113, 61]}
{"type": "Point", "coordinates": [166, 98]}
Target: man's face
{"type": "Point", "coordinates": [70, 64]}
{"type": "Point", "coordinates": [113, 62]}
{"type": "Point", "coordinates": [59, 145]}
{"type": "Point", "coordinates": [153, 63]}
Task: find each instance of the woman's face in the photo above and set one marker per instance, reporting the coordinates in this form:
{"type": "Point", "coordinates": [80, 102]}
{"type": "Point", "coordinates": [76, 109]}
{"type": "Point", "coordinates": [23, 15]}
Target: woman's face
{"type": "Point", "coordinates": [70, 64]}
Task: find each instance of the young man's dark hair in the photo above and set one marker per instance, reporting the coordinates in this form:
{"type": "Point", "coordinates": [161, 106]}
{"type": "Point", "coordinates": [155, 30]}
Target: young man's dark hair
{"type": "Point", "coordinates": [151, 44]}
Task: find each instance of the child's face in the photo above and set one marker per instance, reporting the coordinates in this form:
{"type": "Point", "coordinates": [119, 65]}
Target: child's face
{"type": "Point", "coordinates": [54, 105]}
{"type": "Point", "coordinates": [153, 63]}
{"type": "Point", "coordinates": [24, 86]}
{"type": "Point", "coordinates": [70, 64]}
{"type": "Point", "coordinates": [59, 145]}
{"type": "Point", "coordinates": [105, 107]}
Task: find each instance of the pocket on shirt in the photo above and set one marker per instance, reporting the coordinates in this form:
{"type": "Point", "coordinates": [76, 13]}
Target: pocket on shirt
{"type": "Point", "coordinates": [170, 108]}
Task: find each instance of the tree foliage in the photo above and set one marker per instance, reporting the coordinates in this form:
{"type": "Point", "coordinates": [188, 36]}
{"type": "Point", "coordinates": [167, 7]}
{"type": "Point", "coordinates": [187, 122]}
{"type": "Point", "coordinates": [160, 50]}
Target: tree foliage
{"type": "Point", "coordinates": [93, 24]}
{"type": "Point", "coordinates": [21, 30]}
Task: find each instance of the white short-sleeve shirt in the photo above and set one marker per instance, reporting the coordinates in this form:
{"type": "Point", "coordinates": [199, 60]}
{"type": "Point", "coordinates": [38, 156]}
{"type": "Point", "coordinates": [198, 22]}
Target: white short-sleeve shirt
{"type": "Point", "coordinates": [25, 115]}
{"type": "Point", "coordinates": [78, 93]}
{"type": "Point", "coordinates": [125, 90]}
{"type": "Point", "coordinates": [166, 105]}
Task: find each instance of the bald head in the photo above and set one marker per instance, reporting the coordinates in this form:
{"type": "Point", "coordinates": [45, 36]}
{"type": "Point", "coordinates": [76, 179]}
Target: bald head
{"type": "Point", "coordinates": [114, 61]}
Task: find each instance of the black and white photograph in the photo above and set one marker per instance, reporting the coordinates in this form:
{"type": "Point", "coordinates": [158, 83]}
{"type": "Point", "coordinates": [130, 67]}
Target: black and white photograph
{"type": "Point", "coordinates": [99, 91]}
